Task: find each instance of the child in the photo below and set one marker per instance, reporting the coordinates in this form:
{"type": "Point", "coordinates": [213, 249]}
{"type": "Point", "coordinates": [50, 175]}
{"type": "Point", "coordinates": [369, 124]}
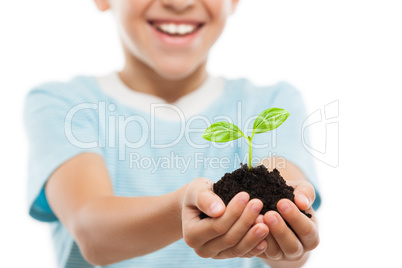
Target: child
{"type": "Point", "coordinates": [119, 169]}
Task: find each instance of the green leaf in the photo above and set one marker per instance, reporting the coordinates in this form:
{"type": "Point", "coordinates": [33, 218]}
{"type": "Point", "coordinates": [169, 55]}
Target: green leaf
{"type": "Point", "coordinates": [269, 120]}
{"type": "Point", "coordinates": [222, 132]}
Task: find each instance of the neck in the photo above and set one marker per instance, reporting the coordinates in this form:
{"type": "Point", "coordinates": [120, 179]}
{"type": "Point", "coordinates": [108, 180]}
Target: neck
{"type": "Point", "coordinates": [140, 77]}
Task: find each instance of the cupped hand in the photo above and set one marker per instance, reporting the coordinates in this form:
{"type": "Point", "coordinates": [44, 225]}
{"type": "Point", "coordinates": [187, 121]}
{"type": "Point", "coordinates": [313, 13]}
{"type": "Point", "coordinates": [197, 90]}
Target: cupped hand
{"type": "Point", "coordinates": [282, 243]}
{"type": "Point", "coordinates": [231, 231]}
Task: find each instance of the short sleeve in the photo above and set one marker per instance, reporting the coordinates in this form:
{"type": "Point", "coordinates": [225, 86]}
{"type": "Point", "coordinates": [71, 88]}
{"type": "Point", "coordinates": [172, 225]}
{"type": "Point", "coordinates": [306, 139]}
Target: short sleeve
{"type": "Point", "coordinates": [59, 127]}
{"type": "Point", "coordinates": [288, 141]}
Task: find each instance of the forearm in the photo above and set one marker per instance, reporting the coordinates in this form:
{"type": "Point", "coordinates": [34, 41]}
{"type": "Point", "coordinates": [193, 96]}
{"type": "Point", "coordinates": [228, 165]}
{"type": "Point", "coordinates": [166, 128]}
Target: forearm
{"type": "Point", "coordinates": [111, 229]}
{"type": "Point", "coordinates": [288, 170]}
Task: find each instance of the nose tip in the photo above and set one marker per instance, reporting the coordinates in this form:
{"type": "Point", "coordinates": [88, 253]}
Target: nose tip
{"type": "Point", "coordinates": [178, 5]}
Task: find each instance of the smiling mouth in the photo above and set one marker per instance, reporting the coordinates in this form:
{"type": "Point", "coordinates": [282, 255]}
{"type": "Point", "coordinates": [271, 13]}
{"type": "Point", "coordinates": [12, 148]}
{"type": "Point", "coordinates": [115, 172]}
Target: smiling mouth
{"type": "Point", "coordinates": [176, 29]}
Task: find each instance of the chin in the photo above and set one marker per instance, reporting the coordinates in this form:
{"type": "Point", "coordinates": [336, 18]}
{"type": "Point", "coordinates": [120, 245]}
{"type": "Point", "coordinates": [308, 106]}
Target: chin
{"type": "Point", "coordinates": [175, 71]}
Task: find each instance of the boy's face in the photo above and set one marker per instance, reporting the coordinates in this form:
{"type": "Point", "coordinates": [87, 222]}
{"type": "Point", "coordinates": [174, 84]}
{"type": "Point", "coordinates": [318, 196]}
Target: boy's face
{"type": "Point", "coordinates": [172, 37]}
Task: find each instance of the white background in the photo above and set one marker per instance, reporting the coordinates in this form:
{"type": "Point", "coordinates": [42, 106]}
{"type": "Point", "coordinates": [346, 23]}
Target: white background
{"type": "Point", "coordinates": [346, 50]}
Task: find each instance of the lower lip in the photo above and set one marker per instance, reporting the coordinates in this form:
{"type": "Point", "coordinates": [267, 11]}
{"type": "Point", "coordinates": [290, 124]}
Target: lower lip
{"type": "Point", "coordinates": [176, 40]}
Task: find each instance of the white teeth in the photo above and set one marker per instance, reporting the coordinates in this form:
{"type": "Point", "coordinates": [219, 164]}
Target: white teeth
{"type": "Point", "coordinates": [164, 27]}
{"type": "Point", "coordinates": [176, 29]}
{"type": "Point", "coordinates": [182, 29]}
{"type": "Point", "coordinates": [171, 28]}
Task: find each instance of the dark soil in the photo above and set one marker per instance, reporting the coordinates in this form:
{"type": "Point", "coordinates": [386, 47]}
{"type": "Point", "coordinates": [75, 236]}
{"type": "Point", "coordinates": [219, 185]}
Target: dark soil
{"type": "Point", "coordinates": [259, 183]}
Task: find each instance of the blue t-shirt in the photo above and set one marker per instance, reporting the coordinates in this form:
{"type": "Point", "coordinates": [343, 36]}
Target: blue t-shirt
{"type": "Point", "coordinates": [147, 155]}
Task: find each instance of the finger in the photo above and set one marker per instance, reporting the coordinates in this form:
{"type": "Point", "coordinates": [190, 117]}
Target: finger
{"type": "Point", "coordinates": [256, 251]}
{"type": "Point", "coordinates": [205, 199]}
{"type": "Point", "coordinates": [199, 196]}
{"type": "Point", "coordinates": [305, 228]}
{"type": "Point", "coordinates": [286, 239]}
{"type": "Point", "coordinates": [260, 219]}
{"type": "Point", "coordinates": [201, 231]}
{"type": "Point", "coordinates": [273, 251]}
{"type": "Point", "coordinates": [239, 228]}
{"type": "Point", "coordinates": [250, 241]}
{"type": "Point", "coordinates": [304, 195]}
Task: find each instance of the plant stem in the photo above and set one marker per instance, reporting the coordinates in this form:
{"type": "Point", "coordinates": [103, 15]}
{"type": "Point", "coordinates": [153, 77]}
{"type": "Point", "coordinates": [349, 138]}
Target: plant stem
{"type": "Point", "coordinates": [249, 153]}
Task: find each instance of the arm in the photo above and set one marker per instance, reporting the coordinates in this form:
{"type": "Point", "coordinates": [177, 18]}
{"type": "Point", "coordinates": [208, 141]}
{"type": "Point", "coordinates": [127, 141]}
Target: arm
{"type": "Point", "coordinates": [285, 249]}
{"type": "Point", "coordinates": [108, 228]}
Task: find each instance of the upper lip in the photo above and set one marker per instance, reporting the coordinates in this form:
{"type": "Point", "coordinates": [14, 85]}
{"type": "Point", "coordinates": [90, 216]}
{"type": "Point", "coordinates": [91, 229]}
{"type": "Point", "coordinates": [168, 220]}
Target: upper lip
{"type": "Point", "coordinates": [176, 21]}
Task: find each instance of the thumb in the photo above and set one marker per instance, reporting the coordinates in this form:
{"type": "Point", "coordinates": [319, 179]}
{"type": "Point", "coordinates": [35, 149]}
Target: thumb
{"type": "Point", "coordinates": [206, 200]}
{"type": "Point", "coordinates": [304, 195]}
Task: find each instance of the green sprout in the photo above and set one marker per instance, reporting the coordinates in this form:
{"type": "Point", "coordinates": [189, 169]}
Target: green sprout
{"type": "Point", "coordinates": [268, 120]}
